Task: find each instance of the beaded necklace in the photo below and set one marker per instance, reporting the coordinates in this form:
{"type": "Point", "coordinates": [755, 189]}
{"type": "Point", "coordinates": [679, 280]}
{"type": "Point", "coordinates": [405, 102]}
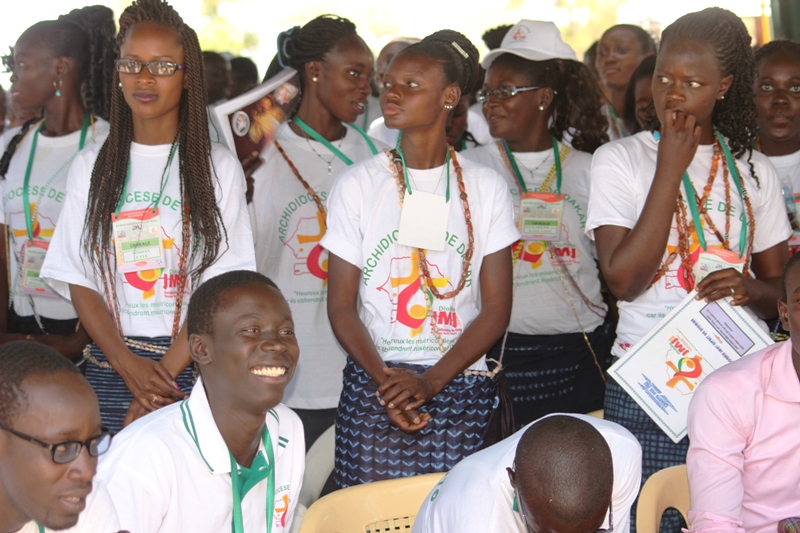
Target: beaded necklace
{"type": "Point", "coordinates": [311, 191]}
{"type": "Point", "coordinates": [684, 229]}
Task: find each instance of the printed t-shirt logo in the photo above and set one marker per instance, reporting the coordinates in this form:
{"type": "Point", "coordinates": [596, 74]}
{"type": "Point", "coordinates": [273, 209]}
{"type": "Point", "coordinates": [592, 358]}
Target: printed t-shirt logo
{"type": "Point", "coordinates": [281, 510]}
{"type": "Point", "coordinates": [304, 243]}
{"type": "Point", "coordinates": [38, 231]}
{"type": "Point", "coordinates": [409, 304]}
{"type": "Point", "coordinates": [533, 251]}
{"type": "Point", "coordinates": [146, 280]}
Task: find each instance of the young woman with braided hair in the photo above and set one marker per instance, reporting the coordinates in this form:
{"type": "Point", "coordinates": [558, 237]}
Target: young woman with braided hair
{"type": "Point", "coordinates": [420, 279]}
{"type": "Point", "coordinates": [63, 66]}
{"type": "Point", "coordinates": [665, 201]}
{"type": "Point", "coordinates": [558, 342]}
{"type": "Point", "coordinates": [150, 215]}
{"type": "Point", "coordinates": [288, 212]}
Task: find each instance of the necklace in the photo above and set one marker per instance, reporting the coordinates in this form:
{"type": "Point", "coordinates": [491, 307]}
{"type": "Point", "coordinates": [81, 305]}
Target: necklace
{"type": "Point", "coordinates": [410, 175]}
{"type": "Point", "coordinates": [311, 191]}
{"type": "Point", "coordinates": [329, 162]}
{"type": "Point", "coordinates": [684, 229]}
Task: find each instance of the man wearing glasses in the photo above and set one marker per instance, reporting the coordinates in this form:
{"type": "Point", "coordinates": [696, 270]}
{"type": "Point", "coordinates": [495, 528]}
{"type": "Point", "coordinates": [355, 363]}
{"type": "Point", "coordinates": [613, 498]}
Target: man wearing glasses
{"type": "Point", "coordinates": [50, 437]}
{"type": "Point", "coordinates": [563, 473]}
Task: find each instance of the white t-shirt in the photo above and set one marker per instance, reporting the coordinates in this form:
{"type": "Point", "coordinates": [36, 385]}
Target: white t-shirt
{"type": "Point", "coordinates": [541, 306]}
{"type": "Point", "coordinates": [287, 227]}
{"type": "Point", "coordinates": [161, 481]}
{"type": "Point", "coordinates": [99, 516]}
{"type": "Point", "coordinates": [363, 221]}
{"type": "Point", "coordinates": [788, 167]}
{"type": "Point", "coordinates": [622, 172]}
{"type": "Point", "coordinates": [147, 299]}
{"type": "Point", "coordinates": [476, 495]}
{"type": "Point", "coordinates": [46, 193]}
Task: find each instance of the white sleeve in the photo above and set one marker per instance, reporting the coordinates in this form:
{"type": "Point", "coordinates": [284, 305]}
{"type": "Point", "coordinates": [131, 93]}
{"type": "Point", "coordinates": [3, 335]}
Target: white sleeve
{"type": "Point", "coordinates": [769, 209]}
{"type": "Point", "coordinates": [627, 482]}
{"type": "Point", "coordinates": [67, 262]}
{"type": "Point", "coordinates": [345, 207]}
{"type": "Point", "coordinates": [239, 254]}
{"type": "Point", "coordinates": [611, 202]}
{"type": "Point", "coordinates": [503, 228]}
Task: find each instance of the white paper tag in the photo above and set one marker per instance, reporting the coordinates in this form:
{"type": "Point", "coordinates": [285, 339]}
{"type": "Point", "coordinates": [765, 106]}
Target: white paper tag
{"type": "Point", "coordinates": [540, 216]}
{"type": "Point", "coordinates": [423, 221]}
{"type": "Point", "coordinates": [32, 260]}
{"type": "Point", "coordinates": [716, 259]}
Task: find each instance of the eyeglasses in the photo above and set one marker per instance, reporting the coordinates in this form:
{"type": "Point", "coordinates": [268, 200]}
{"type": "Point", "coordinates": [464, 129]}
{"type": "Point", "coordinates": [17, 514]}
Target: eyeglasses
{"type": "Point", "coordinates": [156, 68]}
{"type": "Point", "coordinates": [502, 93]}
{"type": "Point", "coordinates": [68, 451]}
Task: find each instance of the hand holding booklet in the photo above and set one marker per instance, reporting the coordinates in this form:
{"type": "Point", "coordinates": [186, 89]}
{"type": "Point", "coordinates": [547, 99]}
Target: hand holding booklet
{"type": "Point", "coordinates": [249, 121]}
{"type": "Point", "coordinates": [663, 369]}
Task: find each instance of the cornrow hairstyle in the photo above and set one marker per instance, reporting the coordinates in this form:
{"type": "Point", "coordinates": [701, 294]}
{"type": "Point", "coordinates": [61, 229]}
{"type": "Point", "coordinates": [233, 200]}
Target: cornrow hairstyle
{"type": "Point", "coordinates": [209, 297]}
{"type": "Point", "coordinates": [782, 46]}
{"type": "Point", "coordinates": [643, 71]}
{"type": "Point", "coordinates": [726, 34]}
{"type": "Point", "coordinates": [646, 41]}
{"type": "Point", "coordinates": [20, 360]}
{"type": "Point", "coordinates": [455, 53]}
{"type": "Point", "coordinates": [197, 177]}
{"type": "Point", "coordinates": [577, 100]}
{"type": "Point", "coordinates": [87, 36]}
{"type": "Point", "coordinates": [493, 38]}
{"type": "Point", "coordinates": [298, 46]}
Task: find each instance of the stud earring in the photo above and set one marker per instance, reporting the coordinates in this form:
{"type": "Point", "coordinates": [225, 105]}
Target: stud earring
{"type": "Point", "coordinates": [541, 107]}
{"type": "Point", "coordinates": [448, 106]}
{"type": "Point", "coordinates": [314, 79]}
{"type": "Point", "coordinates": [722, 97]}
{"type": "Point", "coordinates": [120, 85]}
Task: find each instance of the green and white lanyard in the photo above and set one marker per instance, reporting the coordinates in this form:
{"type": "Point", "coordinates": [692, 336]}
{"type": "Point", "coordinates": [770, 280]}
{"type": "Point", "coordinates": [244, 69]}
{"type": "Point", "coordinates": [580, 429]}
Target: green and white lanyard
{"type": "Point", "coordinates": [405, 168]}
{"type": "Point", "coordinates": [691, 198]}
{"type": "Point", "coordinates": [338, 153]}
{"type": "Point", "coordinates": [520, 181]}
{"type": "Point", "coordinates": [242, 479]}
{"type": "Point", "coordinates": [25, 193]}
{"type": "Point", "coordinates": [163, 187]}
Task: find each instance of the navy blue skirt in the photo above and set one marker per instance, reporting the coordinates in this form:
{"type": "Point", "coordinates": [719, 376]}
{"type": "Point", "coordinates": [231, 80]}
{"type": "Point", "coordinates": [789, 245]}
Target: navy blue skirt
{"type": "Point", "coordinates": [113, 394]}
{"type": "Point", "coordinates": [369, 448]}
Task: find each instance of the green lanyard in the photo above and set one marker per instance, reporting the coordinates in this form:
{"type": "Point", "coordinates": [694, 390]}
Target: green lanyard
{"type": "Point", "coordinates": [238, 521]}
{"type": "Point", "coordinates": [614, 117]}
{"type": "Point", "coordinates": [338, 153]}
{"type": "Point", "coordinates": [25, 198]}
{"type": "Point", "coordinates": [405, 168]}
{"type": "Point", "coordinates": [163, 187]}
{"type": "Point", "coordinates": [518, 174]}
{"type": "Point", "coordinates": [691, 198]}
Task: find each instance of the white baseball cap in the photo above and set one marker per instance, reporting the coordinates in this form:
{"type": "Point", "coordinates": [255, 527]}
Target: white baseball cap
{"type": "Point", "coordinates": [537, 40]}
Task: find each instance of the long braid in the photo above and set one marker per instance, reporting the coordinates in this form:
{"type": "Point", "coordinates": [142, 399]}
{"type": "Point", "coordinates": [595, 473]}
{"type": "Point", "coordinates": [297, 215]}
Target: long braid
{"type": "Point", "coordinates": [196, 173]}
{"type": "Point", "coordinates": [735, 116]}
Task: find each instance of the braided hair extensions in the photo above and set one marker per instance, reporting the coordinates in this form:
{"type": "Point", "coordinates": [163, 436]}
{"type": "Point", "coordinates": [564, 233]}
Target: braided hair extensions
{"type": "Point", "coordinates": [726, 34]}
{"type": "Point", "coordinates": [197, 177]}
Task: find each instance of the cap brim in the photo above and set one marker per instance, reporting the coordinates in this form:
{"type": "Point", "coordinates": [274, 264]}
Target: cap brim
{"type": "Point", "coordinates": [531, 55]}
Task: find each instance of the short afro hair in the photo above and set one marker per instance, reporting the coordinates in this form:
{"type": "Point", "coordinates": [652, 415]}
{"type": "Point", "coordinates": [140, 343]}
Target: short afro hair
{"type": "Point", "coordinates": [208, 298]}
{"type": "Point", "coordinates": [20, 360]}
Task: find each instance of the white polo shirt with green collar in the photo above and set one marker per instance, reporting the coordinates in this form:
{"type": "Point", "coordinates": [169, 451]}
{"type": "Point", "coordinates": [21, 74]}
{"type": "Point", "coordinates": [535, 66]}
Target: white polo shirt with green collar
{"type": "Point", "coordinates": [170, 472]}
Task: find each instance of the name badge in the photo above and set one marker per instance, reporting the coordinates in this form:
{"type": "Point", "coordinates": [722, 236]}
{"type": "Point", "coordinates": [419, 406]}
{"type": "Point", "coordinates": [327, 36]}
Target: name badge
{"type": "Point", "coordinates": [715, 259]}
{"type": "Point", "coordinates": [137, 240]}
{"type": "Point", "coordinates": [423, 221]}
{"type": "Point", "coordinates": [33, 255]}
{"type": "Point", "coordinates": [540, 216]}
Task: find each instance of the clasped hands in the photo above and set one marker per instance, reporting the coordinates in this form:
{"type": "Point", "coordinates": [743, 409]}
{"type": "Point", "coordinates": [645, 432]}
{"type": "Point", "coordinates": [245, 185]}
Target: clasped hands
{"type": "Point", "coordinates": [402, 394]}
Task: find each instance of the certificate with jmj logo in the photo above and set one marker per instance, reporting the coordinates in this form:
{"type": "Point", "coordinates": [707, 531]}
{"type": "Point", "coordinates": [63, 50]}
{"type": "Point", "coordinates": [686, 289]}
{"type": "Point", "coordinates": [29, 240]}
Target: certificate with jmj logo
{"type": "Point", "coordinates": [663, 369]}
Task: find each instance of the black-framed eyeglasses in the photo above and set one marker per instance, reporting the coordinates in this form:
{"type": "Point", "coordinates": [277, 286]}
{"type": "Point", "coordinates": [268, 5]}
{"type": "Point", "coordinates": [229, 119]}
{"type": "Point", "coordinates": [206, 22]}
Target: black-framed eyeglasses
{"type": "Point", "coordinates": [502, 93]}
{"type": "Point", "coordinates": [68, 451]}
{"type": "Point", "coordinates": [156, 68]}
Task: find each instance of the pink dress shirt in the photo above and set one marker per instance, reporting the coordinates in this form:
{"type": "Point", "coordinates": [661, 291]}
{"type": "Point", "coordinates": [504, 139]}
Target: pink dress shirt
{"type": "Point", "coordinates": [744, 451]}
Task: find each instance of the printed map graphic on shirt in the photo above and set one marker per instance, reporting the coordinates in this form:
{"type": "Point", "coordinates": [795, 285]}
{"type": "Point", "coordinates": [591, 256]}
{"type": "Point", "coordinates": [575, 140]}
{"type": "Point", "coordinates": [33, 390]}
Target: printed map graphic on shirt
{"type": "Point", "coordinates": [38, 231]}
{"type": "Point", "coordinates": [409, 305]}
{"type": "Point", "coordinates": [304, 243]}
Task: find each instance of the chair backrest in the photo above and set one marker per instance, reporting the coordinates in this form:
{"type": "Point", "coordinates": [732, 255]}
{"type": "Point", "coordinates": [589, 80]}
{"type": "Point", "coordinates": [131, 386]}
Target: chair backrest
{"type": "Point", "coordinates": [379, 506]}
{"type": "Point", "coordinates": [597, 414]}
{"type": "Point", "coordinates": [319, 465]}
{"type": "Point", "coordinates": [667, 488]}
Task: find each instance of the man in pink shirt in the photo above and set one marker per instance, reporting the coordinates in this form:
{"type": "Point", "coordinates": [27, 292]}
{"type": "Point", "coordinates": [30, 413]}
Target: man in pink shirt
{"type": "Point", "coordinates": [744, 426]}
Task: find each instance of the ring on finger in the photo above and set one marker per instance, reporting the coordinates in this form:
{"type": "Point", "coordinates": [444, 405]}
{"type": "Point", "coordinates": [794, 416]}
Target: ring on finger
{"type": "Point", "coordinates": [152, 402]}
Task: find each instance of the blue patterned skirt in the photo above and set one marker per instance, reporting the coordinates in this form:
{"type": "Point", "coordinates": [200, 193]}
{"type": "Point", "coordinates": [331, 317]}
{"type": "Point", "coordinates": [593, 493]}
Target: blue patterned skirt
{"type": "Point", "coordinates": [113, 394]}
{"type": "Point", "coordinates": [370, 448]}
